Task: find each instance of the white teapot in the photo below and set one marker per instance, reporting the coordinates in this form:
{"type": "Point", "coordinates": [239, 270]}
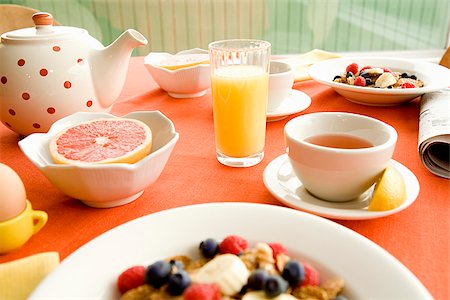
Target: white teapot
{"type": "Point", "coordinates": [48, 72]}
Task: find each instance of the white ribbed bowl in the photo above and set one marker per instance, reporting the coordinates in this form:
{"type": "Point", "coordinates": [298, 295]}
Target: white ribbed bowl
{"type": "Point", "coordinates": [104, 185]}
{"type": "Point", "coordinates": [189, 82]}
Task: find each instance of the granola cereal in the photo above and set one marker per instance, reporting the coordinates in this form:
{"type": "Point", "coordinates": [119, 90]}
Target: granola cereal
{"type": "Point", "coordinates": [377, 77]}
{"type": "Point", "coordinates": [257, 272]}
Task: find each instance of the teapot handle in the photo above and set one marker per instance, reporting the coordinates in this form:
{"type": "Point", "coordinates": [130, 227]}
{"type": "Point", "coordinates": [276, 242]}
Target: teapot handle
{"type": "Point", "coordinates": [42, 19]}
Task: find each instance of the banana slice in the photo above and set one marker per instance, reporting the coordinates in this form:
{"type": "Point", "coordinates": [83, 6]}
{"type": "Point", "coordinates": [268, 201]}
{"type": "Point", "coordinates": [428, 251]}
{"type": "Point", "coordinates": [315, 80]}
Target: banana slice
{"type": "Point", "coordinates": [227, 271]}
{"type": "Point", "coordinates": [374, 71]}
{"type": "Point", "coordinates": [385, 80]}
{"type": "Point", "coordinates": [260, 295]}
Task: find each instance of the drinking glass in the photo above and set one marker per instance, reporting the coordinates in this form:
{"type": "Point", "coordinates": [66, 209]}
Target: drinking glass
{"type": "Point", "coordinates": [240, 85]}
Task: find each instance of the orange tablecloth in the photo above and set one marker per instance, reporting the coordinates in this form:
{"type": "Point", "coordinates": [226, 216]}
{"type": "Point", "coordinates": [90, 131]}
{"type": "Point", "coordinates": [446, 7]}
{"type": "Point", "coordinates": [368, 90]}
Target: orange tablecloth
{"type": "Point", "coordinates": [418, 236]}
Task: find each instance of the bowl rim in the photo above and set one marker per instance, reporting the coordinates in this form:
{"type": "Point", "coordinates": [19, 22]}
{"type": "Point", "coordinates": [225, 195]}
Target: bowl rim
{"type": "Point", "coordinates": [290, 126]}
{"type": "Point", "coordinates": [188, 51]}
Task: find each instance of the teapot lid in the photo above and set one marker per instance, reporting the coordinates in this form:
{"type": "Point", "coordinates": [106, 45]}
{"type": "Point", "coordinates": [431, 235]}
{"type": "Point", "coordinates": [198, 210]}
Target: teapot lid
{"type": "Point", "coordinates": [43, 30]}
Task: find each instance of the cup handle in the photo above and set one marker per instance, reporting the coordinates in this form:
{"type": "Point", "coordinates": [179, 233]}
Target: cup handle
{"type": "Point", "coordinates": [39, 220]}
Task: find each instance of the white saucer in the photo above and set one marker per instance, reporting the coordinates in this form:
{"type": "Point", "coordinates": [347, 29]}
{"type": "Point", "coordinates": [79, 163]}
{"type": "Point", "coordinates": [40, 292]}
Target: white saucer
{"type": "Point", "coordinates": [280, 180]}
{"type": "Point", "coordinates": [294, 103]}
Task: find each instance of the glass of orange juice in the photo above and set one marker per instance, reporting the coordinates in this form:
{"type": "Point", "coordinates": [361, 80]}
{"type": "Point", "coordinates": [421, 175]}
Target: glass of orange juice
{"type": "Point", "coordinates": [240, 85]}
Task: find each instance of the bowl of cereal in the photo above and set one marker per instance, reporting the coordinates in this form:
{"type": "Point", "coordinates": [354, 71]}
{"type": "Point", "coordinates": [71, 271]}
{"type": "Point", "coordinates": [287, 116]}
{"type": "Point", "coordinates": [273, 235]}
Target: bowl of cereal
{"type": "Point", "coordinates": [247, 241]}
{"type": "Point", "coordinates": [380, 81]}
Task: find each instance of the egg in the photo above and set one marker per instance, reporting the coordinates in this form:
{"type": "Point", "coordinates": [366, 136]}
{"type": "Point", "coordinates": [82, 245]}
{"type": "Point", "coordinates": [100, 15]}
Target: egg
{"type": "Point", "coordinates": [12, 194]}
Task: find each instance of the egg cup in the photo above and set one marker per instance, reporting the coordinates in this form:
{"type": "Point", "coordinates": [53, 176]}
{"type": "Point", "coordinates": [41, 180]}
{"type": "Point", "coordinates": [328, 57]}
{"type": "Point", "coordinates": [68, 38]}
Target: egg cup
{"type": "Point", "coordinates": [17, 231]}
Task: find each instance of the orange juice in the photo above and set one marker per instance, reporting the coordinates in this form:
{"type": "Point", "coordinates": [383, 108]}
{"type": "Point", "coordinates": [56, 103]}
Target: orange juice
{"type": "Point", "coordinates": [239, 95]}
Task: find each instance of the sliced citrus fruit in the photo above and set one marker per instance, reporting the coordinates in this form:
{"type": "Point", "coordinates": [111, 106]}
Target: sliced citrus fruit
{"type": "Point", "coordinates": [184, 60]}
{"type": "Point", "coordinates": [389, 191]}
{"type": "Point", "coordinates": [102, 141]}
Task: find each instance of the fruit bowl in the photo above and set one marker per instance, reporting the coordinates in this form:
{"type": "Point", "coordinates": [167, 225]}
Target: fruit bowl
{"type": "Point", "coordinates": [187, 80]}
{"type": "Point", "coordinates": [434, 76]}
{"type": "Point", "coordinates": [104, 185]}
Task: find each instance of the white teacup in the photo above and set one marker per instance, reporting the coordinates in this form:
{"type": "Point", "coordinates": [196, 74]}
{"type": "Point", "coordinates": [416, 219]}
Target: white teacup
{"type": "Point", "coordinates": [281, 79]}
{"type": "Point", "coordinates": [338, 174]}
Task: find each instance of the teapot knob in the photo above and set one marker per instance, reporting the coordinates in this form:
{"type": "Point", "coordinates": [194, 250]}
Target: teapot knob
{"type": "Point", "coordinates": [42, 19]}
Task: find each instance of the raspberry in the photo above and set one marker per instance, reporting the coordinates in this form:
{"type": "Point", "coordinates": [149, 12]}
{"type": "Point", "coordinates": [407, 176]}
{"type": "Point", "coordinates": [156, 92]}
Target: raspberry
{"type": "Point", "coordinates": [202, 292]}
{"type": "Point", "coordinates": [352, 68]}
{"type": "Point", "coordinates": [360, 81]}
{"type": "Point", "coordinates": [387, 70]}
{"type": "Point", "coordinates": [233, 244]}
{"type": "Point", "coordinates": [131, 278]}
{"type": "Point", "coordinates": [365, 67]}
{"type": "Point", "coordinates": [408, 85]}
{"type": "Point", "coordinates": [277, 249]}
{"type": "Point", "coordinates": [312, 277]}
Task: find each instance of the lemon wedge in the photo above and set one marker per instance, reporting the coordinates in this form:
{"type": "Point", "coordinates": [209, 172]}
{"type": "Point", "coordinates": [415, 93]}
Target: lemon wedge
{"type": "Point", "coordinates": [389, 191]}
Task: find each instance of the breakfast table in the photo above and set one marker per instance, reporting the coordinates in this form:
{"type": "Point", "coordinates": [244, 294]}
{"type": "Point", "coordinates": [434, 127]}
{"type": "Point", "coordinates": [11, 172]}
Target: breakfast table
{"type": "Point", "coordinates": [417, 236]}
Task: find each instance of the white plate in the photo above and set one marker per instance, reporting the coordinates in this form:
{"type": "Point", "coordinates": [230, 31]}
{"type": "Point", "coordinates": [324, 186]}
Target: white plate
{"type": "Point", "coordinates": [280, 180]}
{"type": "Point", "coordinates": [369, 271]}
{"type": "Point", "coordinates": [434, 76]}
{"type": "Point", "coordinates": [296, 102]}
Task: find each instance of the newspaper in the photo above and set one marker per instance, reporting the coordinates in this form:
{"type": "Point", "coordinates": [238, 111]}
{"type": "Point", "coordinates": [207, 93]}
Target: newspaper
{"type": "Point", "coordinates": [434, 132]}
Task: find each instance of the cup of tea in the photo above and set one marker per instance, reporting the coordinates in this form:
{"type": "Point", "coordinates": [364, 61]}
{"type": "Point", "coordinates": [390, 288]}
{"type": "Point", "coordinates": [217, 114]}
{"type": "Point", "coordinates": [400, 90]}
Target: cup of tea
{"type": "Point", "coordinates": [17, 231]}
{"type": "Point", "coordinates": [337, 155]}
{"type": "Point", "coordinates": [239, 87]}
{"type": "Point", "coordinates": [281, 79]}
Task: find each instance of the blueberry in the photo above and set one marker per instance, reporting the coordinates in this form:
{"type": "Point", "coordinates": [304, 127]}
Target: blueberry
{"type": "Point", "coordinates": [209, 248]}
{"type": "Point", "coordinates": [413, 77]}
{"type": "Point", "coordinates": [364, 74]}
{"type": "Point", "coordinates": [256, 279]}
{"type": "Point", "coordinates": [158, 273]}
{"type": "Point", "coordinates": [274, 286]}
{"type": "Point", "coordinates": [337, 77]}
{"type": "Point", "coordinates": [178, 282]}
{"type": "Point", "coordinates": [350, 74]}
{"type": "Point", "coordinates": [293, 272]}
{"type": "Point", "coordinates": [404, 75]}
{"type": "Point", "coordinates": [368, 81]}
{"type": "Point", "coordinates": [389, 87]}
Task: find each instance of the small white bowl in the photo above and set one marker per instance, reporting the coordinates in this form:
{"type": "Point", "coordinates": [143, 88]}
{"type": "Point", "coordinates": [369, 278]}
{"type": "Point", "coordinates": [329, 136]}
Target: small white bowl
{"type": "Point", "coordinates": [434, 76]}
{"type": "Point", "coordinates": [188, 82]}
{"type": "Point", "coordinates": [104, 185]}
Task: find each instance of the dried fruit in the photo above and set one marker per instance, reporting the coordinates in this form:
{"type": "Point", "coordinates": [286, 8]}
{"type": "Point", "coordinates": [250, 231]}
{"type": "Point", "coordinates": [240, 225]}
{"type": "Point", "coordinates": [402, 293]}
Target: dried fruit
{"type": "Point", "coordinates": [408, 85]}
{"type": "Point", "coordinates": [353, 67]}
{"type": "Point", "coordinates": [233, 244]}
{"type": "Point", "coordinates": [360, 81]}
{"type": "Point", "coordinates": [131, 278]}
{"type": "Point", "coordinates": [203, 291]}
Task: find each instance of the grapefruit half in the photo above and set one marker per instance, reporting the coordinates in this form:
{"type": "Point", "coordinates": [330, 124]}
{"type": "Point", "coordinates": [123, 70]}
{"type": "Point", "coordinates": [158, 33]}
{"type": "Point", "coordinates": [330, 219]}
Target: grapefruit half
{"type": "Point", "coordinates": [102, 141]}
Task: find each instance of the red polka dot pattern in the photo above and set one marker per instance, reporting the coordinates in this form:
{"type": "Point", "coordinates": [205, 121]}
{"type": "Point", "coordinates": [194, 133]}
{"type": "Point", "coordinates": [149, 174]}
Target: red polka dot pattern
{"type": "Point", "coordinates": [56, 48]}
{"type": "Point", "coordinates": [25, 96]}
{"type": "Point", "coordinates": [42, 72]}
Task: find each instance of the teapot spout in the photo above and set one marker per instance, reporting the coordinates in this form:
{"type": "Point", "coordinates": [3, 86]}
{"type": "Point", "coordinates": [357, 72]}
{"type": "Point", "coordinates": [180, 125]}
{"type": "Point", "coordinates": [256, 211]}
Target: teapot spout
{"type": "Point", "coordinates": [110, 65]}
